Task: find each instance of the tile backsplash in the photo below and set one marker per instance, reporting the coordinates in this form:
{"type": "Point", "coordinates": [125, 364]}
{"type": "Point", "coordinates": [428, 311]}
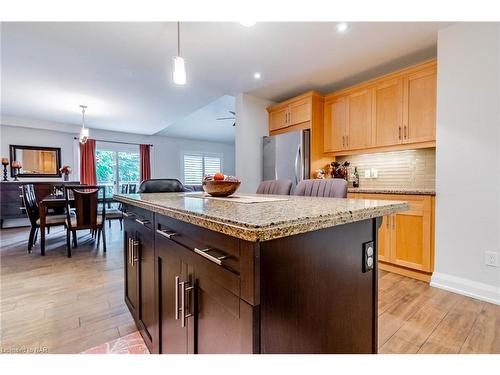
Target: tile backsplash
{"type": "Point", "coordinates": [408, 169]}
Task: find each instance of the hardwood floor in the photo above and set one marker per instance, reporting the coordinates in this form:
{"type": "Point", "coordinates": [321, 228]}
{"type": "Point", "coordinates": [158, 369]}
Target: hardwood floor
{"type": "Point", "coordinates": [417, 318]}
{"type": "Point", "coordinates": [59, 305]}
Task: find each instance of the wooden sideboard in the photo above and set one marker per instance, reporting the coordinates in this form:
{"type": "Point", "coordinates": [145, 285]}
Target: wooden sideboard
{"type": "Point", "coordinates": [11, 197]}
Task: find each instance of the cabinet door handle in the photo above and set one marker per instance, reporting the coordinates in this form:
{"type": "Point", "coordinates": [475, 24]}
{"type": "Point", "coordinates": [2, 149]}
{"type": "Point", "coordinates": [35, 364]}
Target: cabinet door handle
{"type": "Point", "coordinates": [343, 141]}
{"type": "Point", "coordinates": [128, 214]}
{"type": "Point", "coordinates": [405, 132]}
{"type": "Point", "coordinates": [143, 221]}
{"type": "Point", "coordinates": [129, 257]}
{"type": "Point", "coordinates": [166, 234]}
{"type": "Point", "coordinates": [347, 141]}
{"type": "Point", "coordinates": [177, 297]}
{"type": "Point", "coordinates": [135, 251]}
{"type": "Point", "coordinates": [393, 222]}
{"type": "Point", "coordinates": [388, 221]}
{"type": "Point", "coordinates": [204, 253]}
{"type": "Point", "coordinates": [184, 289]}
{"type": "Point", "coordinates": [399, 132]}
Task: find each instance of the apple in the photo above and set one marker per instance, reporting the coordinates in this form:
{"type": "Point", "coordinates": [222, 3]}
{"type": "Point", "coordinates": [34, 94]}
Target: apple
{"type": "Point", "coordinates": [219, 176]}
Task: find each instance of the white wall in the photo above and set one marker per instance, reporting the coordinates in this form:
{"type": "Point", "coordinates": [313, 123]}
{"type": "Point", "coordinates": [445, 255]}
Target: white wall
{"type": "Point", "coordinates": [165, 154]}
{"type": "Point", "coordinates": [251, 126]}
{"type": "Point", "coordinates": [468, 159]}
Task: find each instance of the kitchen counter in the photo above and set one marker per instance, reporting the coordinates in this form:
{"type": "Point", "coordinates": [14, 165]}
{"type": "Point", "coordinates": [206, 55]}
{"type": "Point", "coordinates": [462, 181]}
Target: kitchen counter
{"type": "Point", "coordinates": [282, 274]}
{"type": "Point", "coordinates": [399, 191]}
{"type": "Point", "coordinates": [264, 220]}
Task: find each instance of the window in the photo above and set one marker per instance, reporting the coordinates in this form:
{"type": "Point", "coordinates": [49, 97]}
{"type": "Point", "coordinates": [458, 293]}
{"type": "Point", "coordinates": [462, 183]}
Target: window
{"type": "Point", "coordinates": [195, 166]}
{"type": "Point", "coordinates": [116, 165]}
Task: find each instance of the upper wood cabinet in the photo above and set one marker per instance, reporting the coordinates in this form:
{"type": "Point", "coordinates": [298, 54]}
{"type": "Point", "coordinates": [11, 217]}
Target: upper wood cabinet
{"type": "Point", "coordinates": [336, 118]}
{"type": "Point", "coordinates": [420, 103]}
{"type": "Point", "coordinates": [359, 120]}
{"type": "Point", "coordinates": [383, 114]}
{"type": "Point", "coordinates": [348, 122]}
{"type": "Point", "coordinates": [292, 112]}
{"type": "Point", "coordinates": [388, 114]}
{"type": "Point", "coordinates": [278, 118]}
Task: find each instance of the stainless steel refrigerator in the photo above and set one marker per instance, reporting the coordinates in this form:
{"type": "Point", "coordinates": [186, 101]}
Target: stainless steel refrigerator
{"type": "Point", "coordinates": [286, 156]}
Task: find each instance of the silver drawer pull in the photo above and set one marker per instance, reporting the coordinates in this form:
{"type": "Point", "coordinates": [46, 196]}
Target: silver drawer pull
{"type": "Point", "coordinates": [127, 214]}
{"type": "Point", "coordinates": [184, 289]}
{"type": "Point", "coordinates": [204, 253]}
{"type": "Point", "coordinates": [165, 233]}
{"type": "Point", "coordinates": [143, 222]}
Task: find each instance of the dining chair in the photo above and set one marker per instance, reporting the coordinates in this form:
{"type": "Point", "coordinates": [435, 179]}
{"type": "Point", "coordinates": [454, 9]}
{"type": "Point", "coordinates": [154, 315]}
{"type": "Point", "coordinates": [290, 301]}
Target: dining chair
{"type": "Point", "coordinates": [161, 185]}
{"type": "Point", "coordinates": [87, 215]}
{"type": "Point", "coordinates": [124, 189]}
{"type": "Point", "coordinates": [278, 187]}
{"type": "Point", "coordinates": [33, 212]}
{"type": "Point", "coordinates": [132, 188]}
{"type": "Point", "coordinates": [331, 187]}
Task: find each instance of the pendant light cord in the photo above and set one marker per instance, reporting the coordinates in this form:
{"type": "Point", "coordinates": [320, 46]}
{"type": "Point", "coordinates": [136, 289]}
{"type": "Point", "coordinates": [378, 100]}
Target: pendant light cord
{"type": "Point", "coordinates": [178, 38]}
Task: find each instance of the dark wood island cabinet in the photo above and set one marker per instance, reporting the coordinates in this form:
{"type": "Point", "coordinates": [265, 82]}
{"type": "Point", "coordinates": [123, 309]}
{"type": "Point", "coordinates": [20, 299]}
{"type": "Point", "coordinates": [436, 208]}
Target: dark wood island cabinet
{"type": "Point", "coordinates": [198, 279]}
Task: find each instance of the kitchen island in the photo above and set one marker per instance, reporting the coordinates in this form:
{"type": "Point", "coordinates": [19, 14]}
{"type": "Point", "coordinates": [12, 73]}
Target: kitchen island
{"type": "Point", "coordinates": [256, 274]}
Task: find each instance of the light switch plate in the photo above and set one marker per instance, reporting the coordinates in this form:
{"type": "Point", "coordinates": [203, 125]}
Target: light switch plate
{"type": "Point", "coordinates": [367, 173]}
{"type": "Point", "coordinates": [374, 173]}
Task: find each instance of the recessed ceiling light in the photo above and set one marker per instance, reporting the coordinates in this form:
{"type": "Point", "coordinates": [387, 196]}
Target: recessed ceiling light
{"type": "Point", "coordinates": [342, 27]}
{"type": "Point", "coordinates": [248, 23]}
{"type": "Point", "coordinates": [256, 75]}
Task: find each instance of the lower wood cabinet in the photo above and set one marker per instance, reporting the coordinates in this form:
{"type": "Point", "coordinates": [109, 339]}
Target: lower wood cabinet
{"type": "Point", "coordinates": [406, 239]}
{"type": "Point", "coordinates": [139, 272]}
{"type": "Point", "coordinates": [200, 310]}
{"type": "Point", "coordinates": [193, 290]}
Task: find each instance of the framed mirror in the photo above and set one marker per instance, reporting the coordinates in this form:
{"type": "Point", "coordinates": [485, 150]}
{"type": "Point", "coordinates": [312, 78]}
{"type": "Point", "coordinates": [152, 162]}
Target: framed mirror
{"type": "Point", "coordinates": [36, 161]}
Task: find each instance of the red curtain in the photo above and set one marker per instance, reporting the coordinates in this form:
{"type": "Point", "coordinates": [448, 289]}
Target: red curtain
{"type": "Point", "coordinates": [145, 153]}
{"type": "Point", "coordinates": [87, 163]}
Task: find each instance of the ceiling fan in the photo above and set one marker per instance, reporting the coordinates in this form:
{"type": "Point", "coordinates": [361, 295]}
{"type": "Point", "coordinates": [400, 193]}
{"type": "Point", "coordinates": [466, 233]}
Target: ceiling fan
{"type": "Point", "coordinates": [233, 117]}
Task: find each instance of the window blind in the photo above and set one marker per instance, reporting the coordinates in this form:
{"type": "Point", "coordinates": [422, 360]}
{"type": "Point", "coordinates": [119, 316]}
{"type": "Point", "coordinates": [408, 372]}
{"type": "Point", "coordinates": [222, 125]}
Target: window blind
{"type": "Point", "coordinates": [197, 166]}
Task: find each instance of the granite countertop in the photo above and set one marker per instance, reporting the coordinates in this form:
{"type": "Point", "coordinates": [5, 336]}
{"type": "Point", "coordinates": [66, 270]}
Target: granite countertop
{"type": "Point", "coordinates": [262, 221]}
{"type": "Point", "coordinates": [402, 191]}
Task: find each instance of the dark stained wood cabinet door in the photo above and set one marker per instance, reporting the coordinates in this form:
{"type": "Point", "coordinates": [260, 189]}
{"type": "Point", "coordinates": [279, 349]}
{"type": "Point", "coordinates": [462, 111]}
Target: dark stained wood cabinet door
{"type": "Point", "coordinates": [217, 320]}
{"type": "Point", "coordinates": [131, 270]}
{"type": "Point", "coordinates": [171, 271]}
{"type": "Point", "coordinates": [144, 253]}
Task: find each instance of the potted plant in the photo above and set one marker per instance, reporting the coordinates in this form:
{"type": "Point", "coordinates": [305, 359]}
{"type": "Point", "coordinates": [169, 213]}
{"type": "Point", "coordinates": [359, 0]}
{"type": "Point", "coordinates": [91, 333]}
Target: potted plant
{"type": "Point", "coordinates": [66, 171]}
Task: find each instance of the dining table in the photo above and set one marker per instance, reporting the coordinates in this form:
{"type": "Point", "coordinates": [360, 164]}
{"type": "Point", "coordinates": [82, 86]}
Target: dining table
{"type": "Point", "coordinates": [55, 202]}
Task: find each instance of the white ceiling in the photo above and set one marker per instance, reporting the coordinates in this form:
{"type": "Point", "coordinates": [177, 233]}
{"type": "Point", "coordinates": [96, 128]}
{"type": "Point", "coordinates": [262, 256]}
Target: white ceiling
{"type": "Point", "coordinates": [202, 124]}
{"type": "Point", "coordinates": [122, 71]}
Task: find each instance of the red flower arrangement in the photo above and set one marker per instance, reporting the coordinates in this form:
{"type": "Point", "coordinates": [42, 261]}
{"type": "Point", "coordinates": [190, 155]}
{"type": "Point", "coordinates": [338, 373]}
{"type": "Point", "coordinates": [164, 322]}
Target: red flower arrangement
{"type": "Point", "coordinates": [65, 169]}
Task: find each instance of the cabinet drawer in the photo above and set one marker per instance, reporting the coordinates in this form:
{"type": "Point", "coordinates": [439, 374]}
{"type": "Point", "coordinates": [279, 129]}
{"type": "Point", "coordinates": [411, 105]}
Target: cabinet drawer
{"type": "Point", "coordinates": [139, 215]}
{"type": "Point", "coordinates": [192, 236]}
{"type": "Point", "coordinates": [222, 275]}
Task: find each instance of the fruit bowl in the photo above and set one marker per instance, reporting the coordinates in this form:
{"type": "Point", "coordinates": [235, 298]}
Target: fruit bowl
{"type": "Point", "coordinates": [220, 188]}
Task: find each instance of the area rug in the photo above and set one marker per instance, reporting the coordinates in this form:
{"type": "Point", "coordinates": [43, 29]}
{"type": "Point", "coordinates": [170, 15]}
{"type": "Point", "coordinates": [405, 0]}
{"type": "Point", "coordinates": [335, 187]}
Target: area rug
{"type": "Point", "coordinates": [130, 344]}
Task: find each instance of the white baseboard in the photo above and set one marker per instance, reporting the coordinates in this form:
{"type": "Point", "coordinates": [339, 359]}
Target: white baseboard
{"type": "Point", "coordinates": [466, 287]}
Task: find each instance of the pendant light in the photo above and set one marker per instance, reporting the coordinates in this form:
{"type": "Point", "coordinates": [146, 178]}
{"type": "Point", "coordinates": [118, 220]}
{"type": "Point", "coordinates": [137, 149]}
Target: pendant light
{"type": "Point", "coordinates": [84, 132]}
{"type": "Point", "coordinates": [179, 74]}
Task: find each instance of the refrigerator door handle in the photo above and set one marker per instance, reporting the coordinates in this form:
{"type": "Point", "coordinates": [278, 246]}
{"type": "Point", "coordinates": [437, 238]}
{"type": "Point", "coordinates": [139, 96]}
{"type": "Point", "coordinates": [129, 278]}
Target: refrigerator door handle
{"type": "Point", "coordinates": [297, 160]}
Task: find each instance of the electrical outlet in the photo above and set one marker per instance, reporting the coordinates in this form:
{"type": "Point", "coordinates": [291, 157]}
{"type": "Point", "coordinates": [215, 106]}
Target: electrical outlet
{"type": "Point", "coordinates": [367, 173]}
{"type": "Point", "coordinates": [374, 173]}
{"type": "Point", "coordinates": [491, 258]}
